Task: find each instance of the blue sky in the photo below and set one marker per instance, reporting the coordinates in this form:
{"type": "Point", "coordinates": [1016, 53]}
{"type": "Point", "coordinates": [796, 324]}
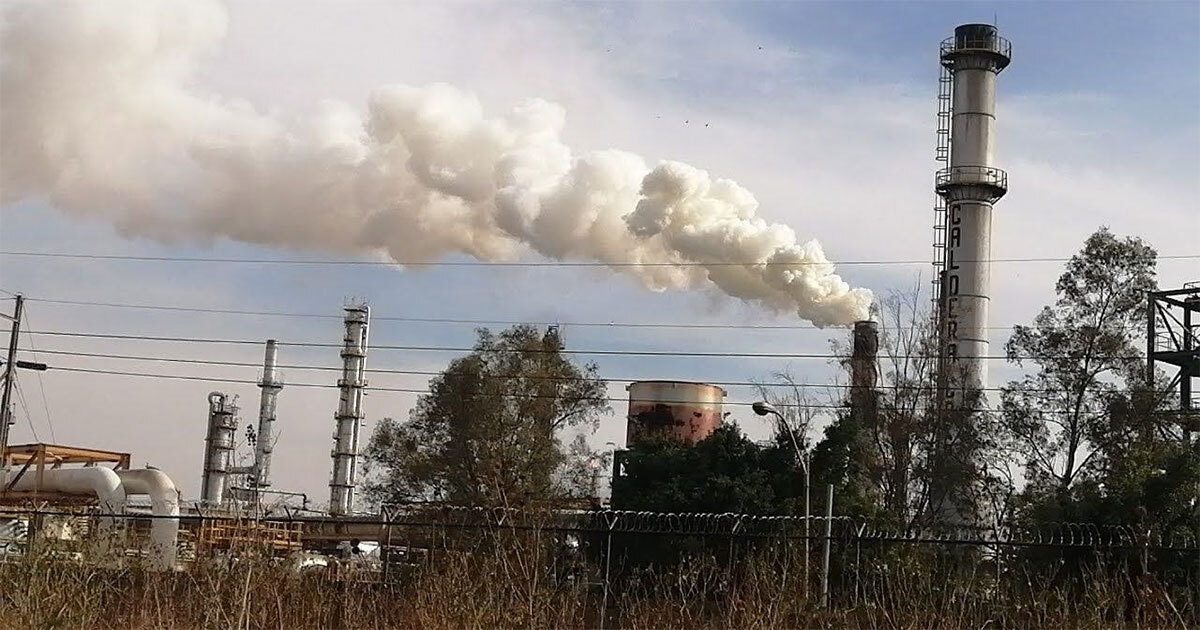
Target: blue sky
{"type": "Point", "coordinates": [824, 110]}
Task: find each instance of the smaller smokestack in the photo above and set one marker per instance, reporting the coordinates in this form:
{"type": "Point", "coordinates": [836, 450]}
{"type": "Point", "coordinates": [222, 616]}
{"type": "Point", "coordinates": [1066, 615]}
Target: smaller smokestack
{"type": "Point", "coordinates": [218, 448]}
{"type": "Point", "coordinates": [350, 411]}
{"type": "Point", "coordinates": [864, 371]}
{"type": "Point", "coordinates": [265, 442]}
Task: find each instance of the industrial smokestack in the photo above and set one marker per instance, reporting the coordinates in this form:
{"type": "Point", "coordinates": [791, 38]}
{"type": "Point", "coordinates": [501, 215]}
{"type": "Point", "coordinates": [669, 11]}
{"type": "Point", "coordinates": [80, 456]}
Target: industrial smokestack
{"type": "Point", "coordinates": [416, 174]}
{"type": "Point", "coordinates": [218, 448]}
{"type": "Point", "coordinates": [270, 383]}
{"type": "Point", "coordinates": [970, 185]}
{"type": "Point", "coordinates": [350, 411]}
{"type": "Point", "coordinates": [864, 371]}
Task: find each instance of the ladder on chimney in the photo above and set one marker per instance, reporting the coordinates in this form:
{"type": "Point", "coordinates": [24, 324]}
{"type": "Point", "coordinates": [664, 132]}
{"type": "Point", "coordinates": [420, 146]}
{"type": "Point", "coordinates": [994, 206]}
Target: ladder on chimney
{"type": "Point", "coordinates": [940, 211]}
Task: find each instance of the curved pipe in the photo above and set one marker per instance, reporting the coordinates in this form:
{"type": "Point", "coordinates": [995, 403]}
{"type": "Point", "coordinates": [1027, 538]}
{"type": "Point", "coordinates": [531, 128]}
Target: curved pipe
{"type": "Point", "coordinates": [164, 505]}
{"type": "Point", "coordinates": [102, 483]}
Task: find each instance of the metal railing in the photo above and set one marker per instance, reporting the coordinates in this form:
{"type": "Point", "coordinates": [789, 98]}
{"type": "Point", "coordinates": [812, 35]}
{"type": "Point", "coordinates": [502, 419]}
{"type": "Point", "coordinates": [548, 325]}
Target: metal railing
{"type": "Point", "coordinates": [989, 176]}
{"type": "Point", "coordinates": [992, 43]}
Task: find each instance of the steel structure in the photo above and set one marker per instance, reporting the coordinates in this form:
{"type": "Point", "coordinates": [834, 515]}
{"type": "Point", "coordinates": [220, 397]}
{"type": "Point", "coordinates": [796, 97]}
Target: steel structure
{"type": "Point", "coordinates": [218, 448]}
{"type": "Point", "coordinates": [349, 414]}
{"type": "Point", "coordinates": [968, 187]}
{"type": "Point", "coordinates": [1173, 338]}
{"type": "Point", "coordinates": [270, 383]}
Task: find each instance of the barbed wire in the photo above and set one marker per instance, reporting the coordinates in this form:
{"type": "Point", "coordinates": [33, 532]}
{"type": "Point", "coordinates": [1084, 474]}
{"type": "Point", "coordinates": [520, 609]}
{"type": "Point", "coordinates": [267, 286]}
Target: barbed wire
{"type": "Point", "coordinates": [728, 525]}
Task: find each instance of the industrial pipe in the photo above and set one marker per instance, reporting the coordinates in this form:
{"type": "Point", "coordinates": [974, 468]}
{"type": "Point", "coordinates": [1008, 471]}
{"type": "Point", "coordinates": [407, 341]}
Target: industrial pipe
{"type": "Point", "coordinates": [102, 483]}
{"type": "Point", "coordinates": [164, 505]}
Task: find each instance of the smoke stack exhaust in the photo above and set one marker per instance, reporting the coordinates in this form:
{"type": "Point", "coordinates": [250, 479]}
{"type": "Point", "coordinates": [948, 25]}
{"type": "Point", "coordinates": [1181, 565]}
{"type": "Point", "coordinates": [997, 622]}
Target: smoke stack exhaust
{"type": "Point", "coordinates": [349, 414]}
{"type": "Point", "coordinates": [415, 175]}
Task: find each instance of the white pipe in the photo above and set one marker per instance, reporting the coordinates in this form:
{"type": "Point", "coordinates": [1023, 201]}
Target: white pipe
{"type": "Point", "coordinates": [102, 483]}
{"type": "Point", "coordinates": [164, 502]}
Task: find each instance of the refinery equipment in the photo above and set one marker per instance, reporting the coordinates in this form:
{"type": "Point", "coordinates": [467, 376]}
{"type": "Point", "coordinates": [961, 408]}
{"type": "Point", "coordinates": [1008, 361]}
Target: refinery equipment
{"type": "Point", "coordinates": [218, 448]}
{"type": "Point", "coordinates": [270, 383]}
{"type": "Point", "coordinates": [220, 441]}
{"type": "Point", "coordinates": [968, 187]}
{"type": "Point", "coordinates": [673, 410]}
{"type": "Point", "coordinates": [70, 476]}
{"type": "Point", "coordinates": [349, 414]}
{"type": "Point", "coordinates": [1173, 339]}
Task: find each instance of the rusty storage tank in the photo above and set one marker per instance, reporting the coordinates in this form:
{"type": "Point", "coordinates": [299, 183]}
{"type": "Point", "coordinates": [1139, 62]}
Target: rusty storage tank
{"type": "Point", "coordinates": [673, 410]}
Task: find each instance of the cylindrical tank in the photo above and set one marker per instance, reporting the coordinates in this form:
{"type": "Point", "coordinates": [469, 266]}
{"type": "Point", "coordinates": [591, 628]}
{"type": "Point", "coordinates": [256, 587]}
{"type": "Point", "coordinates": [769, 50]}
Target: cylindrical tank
{"type": "Point", "coordinates": [673, 410]}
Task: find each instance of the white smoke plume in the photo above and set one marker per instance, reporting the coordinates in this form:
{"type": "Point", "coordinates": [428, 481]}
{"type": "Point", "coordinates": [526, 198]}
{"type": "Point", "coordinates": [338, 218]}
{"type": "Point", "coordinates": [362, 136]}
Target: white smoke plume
{"type": "Point", "coordinates": [98, 113]}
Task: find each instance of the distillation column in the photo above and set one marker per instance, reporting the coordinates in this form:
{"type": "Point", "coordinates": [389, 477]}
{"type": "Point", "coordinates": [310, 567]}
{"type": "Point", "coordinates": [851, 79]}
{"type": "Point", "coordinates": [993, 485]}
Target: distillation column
{"type": "Point", "coordinates": [218, 448]}
{"type": "Point", "coordinates": [270, 383]}
{"type": "Point", "coordinates": [970, 185]}
{"type": "Point", "coordinates": [350, 411]}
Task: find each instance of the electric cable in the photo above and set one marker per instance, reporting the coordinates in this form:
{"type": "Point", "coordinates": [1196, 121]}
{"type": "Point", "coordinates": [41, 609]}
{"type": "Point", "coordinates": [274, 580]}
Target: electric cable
{"type": "Point", "coordinates": [41, 382]}
{"type": "Point", "coordinates": [445, 320]}
{"type": "Point", "coordinates": [462, 349]}
{"type": "Point", "coordinates": [25, 407]}
{"type": "Point", "coordinates": [433, 373]}
{"type": "Point", "coordinates": [408, 390]}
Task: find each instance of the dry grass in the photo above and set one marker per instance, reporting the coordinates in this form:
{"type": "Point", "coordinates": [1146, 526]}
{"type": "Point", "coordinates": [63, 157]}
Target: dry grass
{"type": "Point", "coordinates": [520, 583]}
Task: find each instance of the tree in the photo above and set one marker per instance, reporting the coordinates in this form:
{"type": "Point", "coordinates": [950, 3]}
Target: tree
{"type": "Point", "coordinates": [488, 433]}
{"type": "Point", "coordinates": [725, 472]}
{"type": "Point", "coordinates": [1057, 419]}
{"type": "Point", "coordinates": [894, 452]}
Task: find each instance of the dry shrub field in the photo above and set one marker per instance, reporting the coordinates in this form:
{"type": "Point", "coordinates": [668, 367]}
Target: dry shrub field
{"type": "Point", "coordinates": [518, 584]}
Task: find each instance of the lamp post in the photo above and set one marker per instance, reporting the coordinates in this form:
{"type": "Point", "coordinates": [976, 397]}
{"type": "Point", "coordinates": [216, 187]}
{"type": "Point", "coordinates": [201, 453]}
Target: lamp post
{"type": "Point", "coordinates": [764, 408]}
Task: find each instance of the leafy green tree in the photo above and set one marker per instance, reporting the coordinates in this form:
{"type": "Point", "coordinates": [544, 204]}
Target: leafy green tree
{"type": "Point", "coordinates": [726, 472]}
{"type": "Point", "coordinates": [1086, 351]}
{"type": "Point", "coordinates": [488, 433]}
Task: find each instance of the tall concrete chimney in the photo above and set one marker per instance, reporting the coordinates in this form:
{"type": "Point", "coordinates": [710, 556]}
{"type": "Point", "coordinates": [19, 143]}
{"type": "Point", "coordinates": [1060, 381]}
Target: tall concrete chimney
{"type": "Point", "coordinates": [349, 414]}
{"type": "Point", "coordinates": [970, 185]}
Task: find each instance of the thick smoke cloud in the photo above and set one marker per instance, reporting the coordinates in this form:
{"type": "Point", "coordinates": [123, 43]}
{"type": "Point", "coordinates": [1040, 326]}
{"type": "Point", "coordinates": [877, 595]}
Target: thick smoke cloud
{"type": "Point", "coordinates": [99, 115]}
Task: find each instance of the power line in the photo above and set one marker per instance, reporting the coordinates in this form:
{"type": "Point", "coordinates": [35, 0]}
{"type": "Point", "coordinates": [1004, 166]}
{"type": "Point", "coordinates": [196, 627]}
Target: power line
{"type": "Point", "coordinates": [475, 263]}
{"type": "Point", "coordinates": [41, 383]}
{"type": "Point", "coordinates": [463, 349]}
{"type": "Point", "coordinates": [25, 407]}
{"type": "Point", "coordinates": [405, 390]}
{"type": "Point", "coordinates": [432, 373]}
{"type": "Point", "coordinates": [443, 320]}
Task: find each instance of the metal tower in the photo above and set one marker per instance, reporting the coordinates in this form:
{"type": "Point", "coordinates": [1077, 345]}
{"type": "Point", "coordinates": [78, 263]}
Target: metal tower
{"type": "Point", "coordinates": [1173, 337]}
{"type": "Point", "coordinates": [350, 411]}
{"type": "Point", "coordinates": [264, 444]}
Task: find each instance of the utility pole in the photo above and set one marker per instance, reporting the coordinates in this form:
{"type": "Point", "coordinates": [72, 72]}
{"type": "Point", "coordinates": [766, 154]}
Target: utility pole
{"type": "Point", "coordinates": [828, 539]}
{"type": "Point", "coordinates": [10, 367]}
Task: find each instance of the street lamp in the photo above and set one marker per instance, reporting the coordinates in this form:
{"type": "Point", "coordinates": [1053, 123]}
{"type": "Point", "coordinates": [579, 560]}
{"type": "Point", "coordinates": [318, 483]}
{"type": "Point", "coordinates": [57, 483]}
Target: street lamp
{"type": "Point", "coordinates": [764, 408]}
